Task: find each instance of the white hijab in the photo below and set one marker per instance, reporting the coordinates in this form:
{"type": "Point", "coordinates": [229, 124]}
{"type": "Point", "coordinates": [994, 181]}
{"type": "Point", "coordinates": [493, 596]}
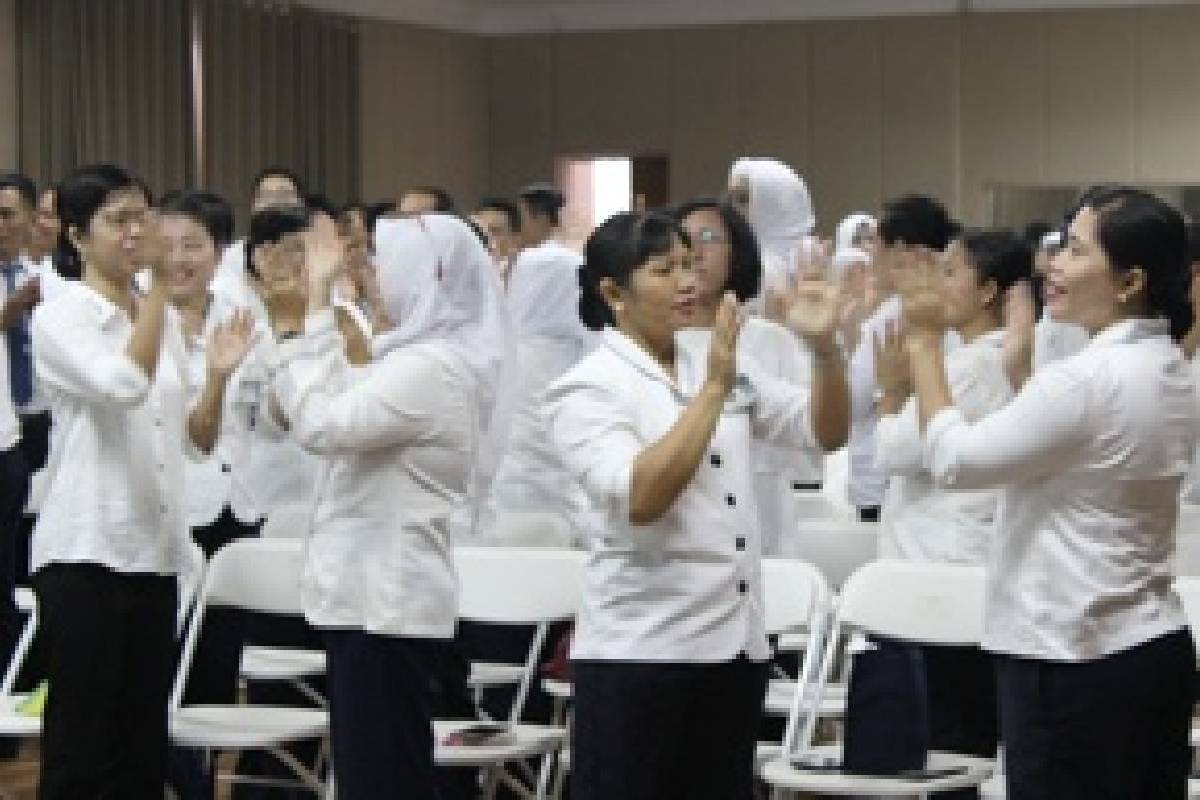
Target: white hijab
{"type": "Point", "coordinates": [850, 228]}
{"type": "Point", "coordinates": [781, 209]}
{"type": "Point", "coordinates": [438, 283]}
{"type": "Point", "coordinates": [781, 214]}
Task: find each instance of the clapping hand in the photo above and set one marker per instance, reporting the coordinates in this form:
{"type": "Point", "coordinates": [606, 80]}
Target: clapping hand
{"type": "Point", "coordinates": [722, 352]}
{"type": "Point", "coordinates": [229, 342]}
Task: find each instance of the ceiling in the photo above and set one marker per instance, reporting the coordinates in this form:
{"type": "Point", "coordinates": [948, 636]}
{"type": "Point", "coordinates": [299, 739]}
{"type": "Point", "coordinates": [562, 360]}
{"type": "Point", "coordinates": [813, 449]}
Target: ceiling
{"type": "Point", "coordinates": [527, 16]}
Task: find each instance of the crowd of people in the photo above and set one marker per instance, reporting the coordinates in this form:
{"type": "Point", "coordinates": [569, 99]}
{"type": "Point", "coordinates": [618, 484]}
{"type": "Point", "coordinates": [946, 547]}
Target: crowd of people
{"type": "Point", "coordinates": [387, 380]}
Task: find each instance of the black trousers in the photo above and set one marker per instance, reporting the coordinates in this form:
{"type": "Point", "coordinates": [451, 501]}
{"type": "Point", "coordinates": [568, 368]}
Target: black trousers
{"type": "Point", "coordinates": [1112, 728]}
{"type": "Point", "coordinates": [906, 699]}
{"type": "Point", "coordinates": [381, 700]}
{"type": "Point", "coordinates": [14, 491]}
{"type": "Point", "coordinates": [646, 731]}
{"type": "Point", "coordinates": [110, 653]}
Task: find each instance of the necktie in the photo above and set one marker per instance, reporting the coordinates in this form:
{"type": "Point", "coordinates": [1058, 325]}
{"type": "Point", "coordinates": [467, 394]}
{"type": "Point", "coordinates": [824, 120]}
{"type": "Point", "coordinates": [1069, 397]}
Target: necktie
{"type": "Point", "coordinates": [20, 357]}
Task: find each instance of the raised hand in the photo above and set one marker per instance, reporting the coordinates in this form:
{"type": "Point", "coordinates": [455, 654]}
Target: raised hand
{"type": "Point", "coordinates": [812, 305]}
{"type": "Point", "coordinates": [153, 249]}
{"type": "Point", "coordinates": [893, 375]}
{"type": "Point", "coordinates": [229, 342]}
{"type": "Point", "coordinates": [324, 256]}
{"type": "Point", "coordinates": [1020, 317]}
{"type": "Point", "coordinates": [922, 293]}
{"type": "Point", "coordinates": [722, 352]}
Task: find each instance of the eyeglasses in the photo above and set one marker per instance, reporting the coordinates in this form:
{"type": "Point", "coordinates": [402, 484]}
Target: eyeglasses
{"type": "Point", "coordinates": [707, 236]}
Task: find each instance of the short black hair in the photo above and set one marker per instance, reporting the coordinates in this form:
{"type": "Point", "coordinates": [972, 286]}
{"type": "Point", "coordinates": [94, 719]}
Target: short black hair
{"type": "Point", "coordinates": [87, 189]}
{"type": "Point", "coordinates": [1000, 256]}
{"type": "Point", "coordinates": [1137, 230]}
{"type": "Point", "coordinates": [506, 207]}
{"type": "Point", "coordinates": [544, 200]}
{"type": "Point", "coordinates": [318, 201]}
{"type": "Point", "coordinates": [376, 210]}
{"type": "Point", "coordinates": [23, 185]}
{"type": "Point", "coordinates": [276, 171]}
{"type": "Point", "coordinates": [1193, 240]}
{"type": "Point", "coordinates": [917, 221]}
{"type": "Point", "coordinates": [207, 209]}
{"type": "Point", "coordinates": [1035, 232]}
{"type": "Point", "coordinates": [270, 225]}
{"type": "Point", "coordinates": [615, 250]}
{"type": "Point", "coordinates": [745, 268]}
{"type": "Point", "coordinates": [443, 201]}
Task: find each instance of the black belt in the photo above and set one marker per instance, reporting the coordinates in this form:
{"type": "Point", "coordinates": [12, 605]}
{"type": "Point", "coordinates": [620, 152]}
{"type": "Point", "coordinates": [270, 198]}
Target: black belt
{"type": "Point", "coordinates": [868, 514]}
{"type": "Point", "coordinates": [805, 486]}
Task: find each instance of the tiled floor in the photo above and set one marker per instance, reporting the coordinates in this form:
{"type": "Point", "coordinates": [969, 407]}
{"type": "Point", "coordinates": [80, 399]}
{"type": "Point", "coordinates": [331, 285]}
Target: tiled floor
{"type": "Point", "coordinates": [18, 779]}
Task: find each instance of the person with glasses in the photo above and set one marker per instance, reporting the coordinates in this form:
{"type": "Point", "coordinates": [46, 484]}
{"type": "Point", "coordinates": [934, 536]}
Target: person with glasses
{"type": "Point", "coordinates": [112, 535]}
{"type": "Point", "coordinates": [660, 424]}
{"type": "Point", "coordinates": [727, 259]}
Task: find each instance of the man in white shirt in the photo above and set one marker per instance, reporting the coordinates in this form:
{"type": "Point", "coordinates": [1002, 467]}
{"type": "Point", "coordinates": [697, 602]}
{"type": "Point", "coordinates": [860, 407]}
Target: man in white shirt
{"type": "Point", "coordinates": [910, 222]}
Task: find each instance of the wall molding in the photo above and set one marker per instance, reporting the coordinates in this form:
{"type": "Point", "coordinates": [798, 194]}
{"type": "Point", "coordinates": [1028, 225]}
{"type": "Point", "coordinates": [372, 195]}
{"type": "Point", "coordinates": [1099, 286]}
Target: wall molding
{"type": "Point", "coordinates": [512, 17]}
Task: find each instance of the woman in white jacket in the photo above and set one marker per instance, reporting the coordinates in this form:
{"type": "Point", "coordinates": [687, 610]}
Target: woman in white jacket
{"type": "Point", "coordinates": [660, 427]}
{"type": "Point", "coordinates": [400, 437]}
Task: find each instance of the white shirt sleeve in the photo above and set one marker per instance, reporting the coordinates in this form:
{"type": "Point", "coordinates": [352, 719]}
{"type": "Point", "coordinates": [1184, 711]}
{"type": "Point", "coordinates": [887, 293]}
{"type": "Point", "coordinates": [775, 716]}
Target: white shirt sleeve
{"type": "Point", "coordinates": [336, 409]}
{"type": "Point", "coordinates": [1040, 432]}
{"type": "Point", "coordinates": [596, 441]}
{"type": "Point", "coordinates": [72, 359]}
{"type": "Point", "coordinates": [782, 413]}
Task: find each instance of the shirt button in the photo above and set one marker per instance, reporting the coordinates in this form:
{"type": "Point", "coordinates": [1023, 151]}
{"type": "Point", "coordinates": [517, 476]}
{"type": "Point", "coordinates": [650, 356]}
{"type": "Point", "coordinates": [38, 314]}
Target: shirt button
{"type": "Point", "coordinates": [163, 508]}
{"type": "Point", "coordinates": [742, 587]}
{"type": "Point", "coordinates": [715, 460]}
{"type": "Point", "coordinates": [225, 468]}
{"type": "Point", "coordinates": [730, 500]}
{"type": "Point", "coordinates": [740, 542]}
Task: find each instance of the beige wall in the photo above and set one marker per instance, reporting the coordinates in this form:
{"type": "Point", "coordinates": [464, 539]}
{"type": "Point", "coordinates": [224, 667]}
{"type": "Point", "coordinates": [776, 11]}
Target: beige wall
{"type": "Point", "coordinates": [424, 111]}
{"type": "Point", "coordinates": [866, 109]}
{"type": "Point", "coordinates": [8, 84]}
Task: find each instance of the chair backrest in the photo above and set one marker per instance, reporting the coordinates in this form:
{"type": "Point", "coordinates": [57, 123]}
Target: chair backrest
{"type": "Point", "coordinates": [518, 585]}
{"type": "Point", "coordinates": [251, 574]}
{"type": "Point", "coordinates": [256, 575]}
{"type": "Point", "coordinates": [1188, 589]}
{"type": "Point", "coordinates": [795, 594]}
{"type": "Point", "coordinates": [836, 547]}
{"type": "Point", "coordinates": [918, 602]}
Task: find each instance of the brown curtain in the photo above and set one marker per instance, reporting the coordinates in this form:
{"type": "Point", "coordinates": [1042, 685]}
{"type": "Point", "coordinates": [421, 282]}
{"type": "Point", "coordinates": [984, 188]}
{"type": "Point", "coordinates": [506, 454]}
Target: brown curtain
{"type": "Point", "coordinates": [280, 88]}
{"type": "Point", "coordinates": [105, 81]}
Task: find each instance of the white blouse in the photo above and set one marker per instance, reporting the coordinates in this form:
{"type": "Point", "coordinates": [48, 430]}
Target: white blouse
{"type": "Point", "coordinates": [113, 487]}
{"type": "Point", "coordinates": [687, 587]}
{"type": "Point", "coordinates": [780, 354]}
{"type": "Point", "coordinates": [255, 466]}
{"type": "Point", "coordinates": [1091, 454]}
{"type": "Point", "coordinates": [921, 521]}
{"type": "Point", "coordinates": [398, 442]}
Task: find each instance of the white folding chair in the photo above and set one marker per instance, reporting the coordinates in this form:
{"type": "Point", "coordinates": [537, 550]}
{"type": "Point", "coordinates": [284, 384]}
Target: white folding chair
{"type": "Point", "coordinates": [514, 586]}
{"type": "Point", "coordinates": [287, 664]}
{"type": "Point", "coordinates": [835, 546]}
{"type": "Point", "coordinates": [261, 575]}
{"type": "Point", "coordinates": [1188, 590]}
{"type": "Point", "coordinates": [797, 601]}
{"type": "Point", "coordinates": [12, 722]}
{"type": "Point", "coordinates": [938, 604]}
{"type": "Point", "coordinates": [1186, 560]}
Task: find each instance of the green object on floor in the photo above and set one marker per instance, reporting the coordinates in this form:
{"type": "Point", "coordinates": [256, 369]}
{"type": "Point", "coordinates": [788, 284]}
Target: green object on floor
{"type": "Point", "coordinates": [35, 703]}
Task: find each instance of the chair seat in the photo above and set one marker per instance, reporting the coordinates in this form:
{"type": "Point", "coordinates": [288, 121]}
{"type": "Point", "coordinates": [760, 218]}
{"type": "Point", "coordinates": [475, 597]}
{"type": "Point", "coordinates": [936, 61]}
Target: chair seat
{"type": "Point", "coordinates": [24, 598]}
{"type": "Point", "coordinates": [519, 742]}
{"type": "Point", "coordinates": [785, 776]}
{"type": "Point", "coordinates": [485, 674]}
{"type": "Point", "coordinates": [281, 663]}
{"type": "Point", "coordinates": [560, 690]}
{"type": "Point", "coordinates": [13, 723]}
{"type": "Point", "coordinates": [245, 727]}
{"type": "Point", "coordinates": [780, 693]}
